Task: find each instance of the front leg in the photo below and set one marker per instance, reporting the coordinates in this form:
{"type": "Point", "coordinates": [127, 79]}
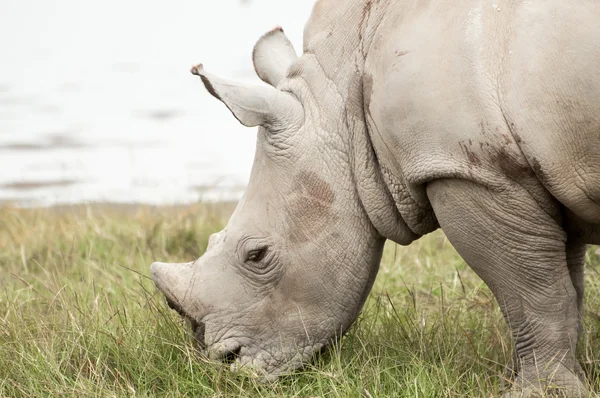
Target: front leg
{"type": "Point", "coordinates": [575, 261]}
{"type": "Point", "coordinates": [519, 250]}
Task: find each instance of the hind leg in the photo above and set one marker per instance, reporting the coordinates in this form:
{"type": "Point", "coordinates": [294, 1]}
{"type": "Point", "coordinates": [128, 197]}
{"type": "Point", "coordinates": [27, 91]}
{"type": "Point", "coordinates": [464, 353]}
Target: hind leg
{"type": "Point", "coordinates": [575, 252]}
{"type": "Point", "coordinates": [580, 234]}
{"type": "Point", "coordinates": [520, 251]}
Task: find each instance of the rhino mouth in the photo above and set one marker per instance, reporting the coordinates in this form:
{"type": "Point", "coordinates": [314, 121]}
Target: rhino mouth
{"type": "Point", "coordinates": [176, 307]}
{"type": "Point", "coordinates": [230, 352]}
{"type": "Point", "coordinates": [198, 328]}
{"type": "Point", "coordinates": [231, 356]}
{"type": "Point", "coordinates": [226, 353]}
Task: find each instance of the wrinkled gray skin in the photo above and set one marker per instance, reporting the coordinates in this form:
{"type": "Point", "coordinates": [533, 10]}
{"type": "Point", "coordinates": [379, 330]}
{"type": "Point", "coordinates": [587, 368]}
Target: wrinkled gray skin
{"type": "Point", "coordinates": [401, 117]}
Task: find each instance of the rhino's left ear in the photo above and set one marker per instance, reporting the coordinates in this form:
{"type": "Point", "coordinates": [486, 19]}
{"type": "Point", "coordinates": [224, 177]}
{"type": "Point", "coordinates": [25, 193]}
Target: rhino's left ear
{"type": "Point", "coordinates": [272, 56]}
{"type": "Point", "coordinates": [253, 105]}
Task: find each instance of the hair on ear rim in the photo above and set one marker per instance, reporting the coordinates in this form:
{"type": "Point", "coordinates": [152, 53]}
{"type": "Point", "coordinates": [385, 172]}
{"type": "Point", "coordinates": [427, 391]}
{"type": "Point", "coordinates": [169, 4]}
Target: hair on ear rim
{"type": "Point", "coordinates": [197, 70]}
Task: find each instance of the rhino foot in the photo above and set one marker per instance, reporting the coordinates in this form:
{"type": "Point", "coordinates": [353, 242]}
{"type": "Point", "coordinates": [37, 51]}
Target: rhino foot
{"type": "Point", "coordinates": [563, 383]}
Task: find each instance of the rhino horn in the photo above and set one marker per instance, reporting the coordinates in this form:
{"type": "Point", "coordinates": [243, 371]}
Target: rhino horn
{"type": "Point", "coordinates": [172, 280]}
{"type": "Point", "coordinates": [272, 56]}
{"type": "Point", "coordinates": [253, 105]}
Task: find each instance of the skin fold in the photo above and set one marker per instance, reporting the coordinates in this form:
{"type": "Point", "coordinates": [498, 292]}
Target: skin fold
{"type": "Point", "coordinates": [401, 117]}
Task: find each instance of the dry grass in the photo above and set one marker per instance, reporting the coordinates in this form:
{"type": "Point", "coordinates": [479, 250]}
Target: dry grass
{"type": "Point", "coordinates": [79, 316]}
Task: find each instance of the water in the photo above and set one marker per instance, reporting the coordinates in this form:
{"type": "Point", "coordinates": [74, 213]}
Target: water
{"type": "Point", "coordinates": [97, 102]}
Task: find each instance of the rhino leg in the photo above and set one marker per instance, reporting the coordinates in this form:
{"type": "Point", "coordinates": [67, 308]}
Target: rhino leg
{"type": "Point", "coordinates": [519, 249]}
{"type": "Point", "coordinates": [575, 261]}
{"type": "Point", "coordinates": [581, 233]}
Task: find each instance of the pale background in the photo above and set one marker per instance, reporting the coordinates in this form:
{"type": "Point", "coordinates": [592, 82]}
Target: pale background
{"type": "Point", "coordinates": [97, 102]}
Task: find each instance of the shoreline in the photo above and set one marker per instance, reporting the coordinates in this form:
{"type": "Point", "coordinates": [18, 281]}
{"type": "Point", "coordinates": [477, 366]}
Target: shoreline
{"type": "Point", "coordinates": [224, 207]}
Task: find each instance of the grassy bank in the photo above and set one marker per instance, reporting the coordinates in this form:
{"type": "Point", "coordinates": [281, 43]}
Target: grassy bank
{"type": "Point", "coordinates": [79, 316]}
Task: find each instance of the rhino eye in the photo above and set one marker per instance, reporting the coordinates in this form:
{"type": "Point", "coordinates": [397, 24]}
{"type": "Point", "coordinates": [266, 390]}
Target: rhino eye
{"type": "Point", "coordinates": [256, 255]}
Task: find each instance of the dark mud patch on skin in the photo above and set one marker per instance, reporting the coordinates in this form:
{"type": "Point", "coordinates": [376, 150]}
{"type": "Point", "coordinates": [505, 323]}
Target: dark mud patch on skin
{"type": "Point", "coordinates": [511, 167]}
{"type": "Point", "coordinates": [471, 156]}
{"type": "Point", "coordinates": [502, 149]}
{"type": "Point", "coordinates": [310, 207]}
{"type": "Point", "coordinates": [311, 185]}
{"type": "Point", "coordinates": [507, 138]}
{"type": "Point", "coordinates": [515, 134]}
{"type": "Point", "coordinates": [31, 185]}
{"type": "Point", "coordinates": [539, 172]}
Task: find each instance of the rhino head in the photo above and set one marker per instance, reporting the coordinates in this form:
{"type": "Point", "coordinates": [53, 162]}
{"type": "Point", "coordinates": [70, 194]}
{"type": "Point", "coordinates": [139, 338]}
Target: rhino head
{"type": "Point", "coordinates": [292, 269]}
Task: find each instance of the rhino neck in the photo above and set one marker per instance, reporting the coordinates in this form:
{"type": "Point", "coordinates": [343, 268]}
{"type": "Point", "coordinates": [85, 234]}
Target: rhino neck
{"type": "Point", "coordinates": [331, 72]}
{"type": "Point", "coordinates": [370, 181]}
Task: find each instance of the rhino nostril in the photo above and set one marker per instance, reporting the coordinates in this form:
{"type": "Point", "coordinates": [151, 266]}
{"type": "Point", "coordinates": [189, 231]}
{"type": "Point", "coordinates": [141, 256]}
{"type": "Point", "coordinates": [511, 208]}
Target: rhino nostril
{"type": "Point", "coordinates": [174, 306]}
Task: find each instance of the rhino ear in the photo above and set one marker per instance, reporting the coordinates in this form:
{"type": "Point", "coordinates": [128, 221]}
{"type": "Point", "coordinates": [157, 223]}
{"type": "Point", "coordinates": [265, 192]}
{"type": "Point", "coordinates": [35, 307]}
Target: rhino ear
{"type": "Point", "coordinates": [272, 56]}
{"type": "Point", "coordinates": [253, 105]}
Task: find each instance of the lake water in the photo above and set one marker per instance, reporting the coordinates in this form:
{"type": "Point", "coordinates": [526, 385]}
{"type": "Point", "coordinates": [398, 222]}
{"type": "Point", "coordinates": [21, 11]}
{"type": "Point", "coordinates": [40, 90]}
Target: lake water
{"type": "Point", "coordinates": [97, 102]}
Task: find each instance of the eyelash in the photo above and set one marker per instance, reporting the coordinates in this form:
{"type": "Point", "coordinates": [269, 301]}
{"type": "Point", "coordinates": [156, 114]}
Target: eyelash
{"type": "Point", "coordinates": [256, 255]}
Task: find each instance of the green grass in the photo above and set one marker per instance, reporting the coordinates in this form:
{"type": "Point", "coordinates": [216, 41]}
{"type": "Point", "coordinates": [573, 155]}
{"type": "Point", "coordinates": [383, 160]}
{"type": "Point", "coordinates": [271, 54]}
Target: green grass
{"type": "Point", "coordinates": [79, 316]}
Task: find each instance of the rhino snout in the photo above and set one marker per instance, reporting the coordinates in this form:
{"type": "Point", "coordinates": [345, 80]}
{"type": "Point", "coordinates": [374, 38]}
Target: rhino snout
{"type": "Point", "coordinates": [155, 270]}
{"type": "Point", "coordinates": [170, 279]}
{"type": "Point", "coordinates": [159, 272]}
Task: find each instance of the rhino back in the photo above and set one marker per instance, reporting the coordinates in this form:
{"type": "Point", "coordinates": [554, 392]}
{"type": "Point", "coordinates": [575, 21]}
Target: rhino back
{"type": "Point", "coordinates": [551, 95]}
{"type": "Point", "coordinates": [492, 93]}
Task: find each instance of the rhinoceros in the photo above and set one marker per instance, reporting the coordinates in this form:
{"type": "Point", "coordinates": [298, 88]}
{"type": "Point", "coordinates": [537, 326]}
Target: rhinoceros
{"type": "Point", "coordinates": [479, 117]}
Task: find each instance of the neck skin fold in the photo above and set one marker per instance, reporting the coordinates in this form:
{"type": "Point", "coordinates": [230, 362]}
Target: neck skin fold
{"type": "Point", "coordinates": [335, 51]}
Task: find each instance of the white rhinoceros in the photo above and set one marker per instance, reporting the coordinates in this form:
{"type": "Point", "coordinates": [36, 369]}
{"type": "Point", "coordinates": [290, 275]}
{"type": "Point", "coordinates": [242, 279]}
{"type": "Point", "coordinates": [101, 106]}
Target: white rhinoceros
{"type": "Point", "coordinates": [481, 117]}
